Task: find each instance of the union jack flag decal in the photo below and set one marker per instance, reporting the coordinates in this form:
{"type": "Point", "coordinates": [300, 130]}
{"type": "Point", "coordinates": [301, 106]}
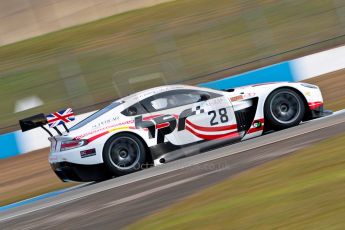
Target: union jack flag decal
{"type": "Point", "coordinates": [61, 117]}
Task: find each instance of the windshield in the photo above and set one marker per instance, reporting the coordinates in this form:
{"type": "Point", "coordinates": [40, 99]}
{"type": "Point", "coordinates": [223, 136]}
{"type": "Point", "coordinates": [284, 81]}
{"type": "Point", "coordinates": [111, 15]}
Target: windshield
{"type": "Point", "coordinates": [95, 115]}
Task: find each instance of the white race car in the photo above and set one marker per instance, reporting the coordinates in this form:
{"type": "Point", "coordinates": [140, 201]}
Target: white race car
{"type": "Point", "coordinates": [165, 123]}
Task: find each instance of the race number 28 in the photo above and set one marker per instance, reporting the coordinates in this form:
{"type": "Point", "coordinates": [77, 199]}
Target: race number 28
{"type": "Point", "coordinates": [222, 114]}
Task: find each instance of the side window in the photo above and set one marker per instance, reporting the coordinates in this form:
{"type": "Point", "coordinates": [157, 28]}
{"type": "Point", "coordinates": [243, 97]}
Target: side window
{"type": "Point", "coordinates": [160, 103]}
{"type": "Point", "coordinates": [175, 98]}
{"type": "Point", "coordinates": [133, 110]}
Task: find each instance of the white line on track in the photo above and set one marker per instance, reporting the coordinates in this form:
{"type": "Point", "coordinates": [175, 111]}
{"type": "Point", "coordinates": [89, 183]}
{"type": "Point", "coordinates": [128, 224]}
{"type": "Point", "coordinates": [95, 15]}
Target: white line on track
{"type": "Point", "coordinates": [312, 126]}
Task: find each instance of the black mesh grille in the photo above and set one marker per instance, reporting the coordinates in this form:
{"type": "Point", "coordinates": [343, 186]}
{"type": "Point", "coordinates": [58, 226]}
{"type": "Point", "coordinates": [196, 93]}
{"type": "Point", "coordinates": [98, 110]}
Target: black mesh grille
{"type": "Point", "coordinates": [245, 116]}
{"type": "Point", "coordinates": [243, 122]}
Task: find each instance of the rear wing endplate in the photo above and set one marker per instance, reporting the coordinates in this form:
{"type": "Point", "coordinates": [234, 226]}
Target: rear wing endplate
{"type": "Point", "coordinates": [53, 120]}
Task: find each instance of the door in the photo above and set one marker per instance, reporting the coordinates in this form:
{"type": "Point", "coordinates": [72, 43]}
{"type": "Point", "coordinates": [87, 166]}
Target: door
{"type": "Point", "coordinates": [186, 116]}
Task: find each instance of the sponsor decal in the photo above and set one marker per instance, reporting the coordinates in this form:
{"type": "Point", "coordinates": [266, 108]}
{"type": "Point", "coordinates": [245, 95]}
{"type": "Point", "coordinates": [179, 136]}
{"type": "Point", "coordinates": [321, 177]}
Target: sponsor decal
{"type": "Point", "coordinates": [88, 153]}
{"type": "Point", "coordinates": [166, 124]}
{"type": "Point", "coordinates": [216, 101]}
{"type": "Point", "coordinates": [110, 128]}
{"type": "Point", "coordinates": [257, 125]}
{"type": "Point", "coordinates": [237, 98]}
{"type": "Point", "coordinates": [105, 122]}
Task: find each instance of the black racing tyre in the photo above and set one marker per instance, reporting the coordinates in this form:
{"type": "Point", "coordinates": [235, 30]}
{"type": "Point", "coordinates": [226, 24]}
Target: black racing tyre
{"type": "Point", "coordinates": [284, 108]}
{"type": "Point", "coordinates": [124, 153]}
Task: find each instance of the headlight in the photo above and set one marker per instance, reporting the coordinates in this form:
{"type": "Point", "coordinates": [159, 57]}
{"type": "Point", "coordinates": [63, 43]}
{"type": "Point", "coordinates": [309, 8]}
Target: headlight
{"type": "Point", "coordinates": [309, 85]}
{"type": "Point", "coordinates": [71, 144]}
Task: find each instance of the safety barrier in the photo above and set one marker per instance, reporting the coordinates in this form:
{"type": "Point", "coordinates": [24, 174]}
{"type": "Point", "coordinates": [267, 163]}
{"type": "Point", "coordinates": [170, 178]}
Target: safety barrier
{"type": "Point", "coordinates": [295, 70]}
{"type": "Point", "coordinates": [313, 65]}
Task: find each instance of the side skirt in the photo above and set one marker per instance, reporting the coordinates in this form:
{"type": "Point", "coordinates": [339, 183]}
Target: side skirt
{"type": "Point", "coordinates": [166, 152]}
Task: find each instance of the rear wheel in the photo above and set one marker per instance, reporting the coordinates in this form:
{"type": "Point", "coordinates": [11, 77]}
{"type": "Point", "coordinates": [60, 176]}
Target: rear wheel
{"type": "Point", "coordinates": [284, 108]}
{"type": "Point", "coordinates": [123, 154]}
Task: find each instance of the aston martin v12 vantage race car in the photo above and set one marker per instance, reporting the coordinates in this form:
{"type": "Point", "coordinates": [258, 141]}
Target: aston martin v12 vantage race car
{"type": "Point", "coordinates": [162, 124]}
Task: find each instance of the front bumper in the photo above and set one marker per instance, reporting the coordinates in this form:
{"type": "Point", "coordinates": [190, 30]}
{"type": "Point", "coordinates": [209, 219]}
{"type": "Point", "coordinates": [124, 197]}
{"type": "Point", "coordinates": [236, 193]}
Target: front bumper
{"type": "Point", "coordinates": [320, 112]}
{"type": "Point", "coordinates": [67, 171]}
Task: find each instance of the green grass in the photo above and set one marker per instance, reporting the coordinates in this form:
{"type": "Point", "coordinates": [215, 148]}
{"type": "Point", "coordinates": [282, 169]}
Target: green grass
{"type": "Point", "coordinates": [305, 190]}
{"type": "Point", "coordinates": [180, 40]}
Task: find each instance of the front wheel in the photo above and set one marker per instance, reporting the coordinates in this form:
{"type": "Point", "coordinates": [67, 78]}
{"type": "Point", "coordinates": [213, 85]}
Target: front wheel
{"type": "Point", "coordinates": [124, 153]}
{"type": "Point", "coordinates": [284, 108]}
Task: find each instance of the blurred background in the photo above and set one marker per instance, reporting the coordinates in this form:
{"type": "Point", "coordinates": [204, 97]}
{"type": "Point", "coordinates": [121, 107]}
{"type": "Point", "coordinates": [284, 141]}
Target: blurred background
{"type": "Point", "coordinates": [84, 54]}
{"type": "Point", "coordinates": [50, 59]}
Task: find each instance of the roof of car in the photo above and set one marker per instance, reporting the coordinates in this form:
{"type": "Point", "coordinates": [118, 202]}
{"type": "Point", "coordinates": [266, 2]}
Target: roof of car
{"type": "Point", "coordinates": [152, 91]}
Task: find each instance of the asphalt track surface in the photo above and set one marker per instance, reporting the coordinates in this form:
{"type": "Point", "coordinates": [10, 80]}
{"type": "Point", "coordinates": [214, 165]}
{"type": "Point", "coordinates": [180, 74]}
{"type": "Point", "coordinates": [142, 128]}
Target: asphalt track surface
{"type": "Point", "coordinates": [116, 203]}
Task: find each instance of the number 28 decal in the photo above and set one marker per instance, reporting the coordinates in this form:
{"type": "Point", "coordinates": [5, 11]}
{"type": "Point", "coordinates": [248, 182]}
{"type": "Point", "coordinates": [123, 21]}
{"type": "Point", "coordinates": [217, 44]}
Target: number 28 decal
{"type": "Point", "coordinates": [223, 116]}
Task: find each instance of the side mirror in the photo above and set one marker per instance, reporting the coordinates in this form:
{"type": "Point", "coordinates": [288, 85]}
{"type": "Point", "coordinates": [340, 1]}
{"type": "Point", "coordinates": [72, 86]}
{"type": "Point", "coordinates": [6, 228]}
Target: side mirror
{"type": "Point", "coordinates": [204, 97]}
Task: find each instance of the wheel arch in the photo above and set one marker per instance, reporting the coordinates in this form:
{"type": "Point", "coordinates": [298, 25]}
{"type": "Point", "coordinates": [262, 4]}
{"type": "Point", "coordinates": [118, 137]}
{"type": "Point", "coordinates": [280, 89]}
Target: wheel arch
{"type": "Point", "coordinates": [305, 102]}
{"type": "Point", "coordinates": [149, 158]}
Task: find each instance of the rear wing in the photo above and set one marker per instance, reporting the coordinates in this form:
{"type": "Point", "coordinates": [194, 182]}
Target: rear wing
{"type": "Point", "coordinates": [53, 120]}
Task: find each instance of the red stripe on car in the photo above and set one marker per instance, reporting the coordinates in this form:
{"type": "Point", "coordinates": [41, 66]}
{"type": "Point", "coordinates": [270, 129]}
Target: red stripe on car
{"type": "Point", "coordinates": [97, 136]}
{"type": "Point", "coordinates": [151, 117]}
{"type": "Point", "coordinates": [253, 130]}
{"type": "Point", "coordinates": [213, 137]}
{"type": "Point", "coordinates": [212, 129]}
{"type": "Point", "coordinates": [162, 125]}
